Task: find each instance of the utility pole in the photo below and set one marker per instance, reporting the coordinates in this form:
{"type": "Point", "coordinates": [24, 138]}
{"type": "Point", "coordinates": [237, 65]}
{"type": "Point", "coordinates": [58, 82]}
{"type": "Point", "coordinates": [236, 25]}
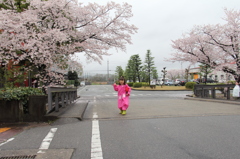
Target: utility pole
{"type": "Point", "coordinates": [186, 74]}
{"type": "Point", "coordinates": [107, 72]}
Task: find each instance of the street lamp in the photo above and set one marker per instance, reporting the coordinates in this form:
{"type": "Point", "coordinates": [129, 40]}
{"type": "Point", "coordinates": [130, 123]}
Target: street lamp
{"type": "Point", "coordinates": [164, 71]}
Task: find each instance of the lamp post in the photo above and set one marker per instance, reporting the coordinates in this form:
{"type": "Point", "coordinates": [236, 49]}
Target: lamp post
{"type": "Point", "coordinates": [164, 71]}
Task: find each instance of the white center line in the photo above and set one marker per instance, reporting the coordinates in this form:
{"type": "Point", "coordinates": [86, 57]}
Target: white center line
{"type": "Point", "coordinates": [95, 116]}
{"type": "Point", "coordinates": [47, 140]}
{"type": "Point", "coordinates": [96, 147]}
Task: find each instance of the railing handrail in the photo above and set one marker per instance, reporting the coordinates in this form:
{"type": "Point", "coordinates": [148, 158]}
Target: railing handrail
{"type": "Point", "coordinates": [61, 89]}
{"type": "Point", "coordinates": [69, 93]}
{"type": "Point", "coordinates": [212, 86]}
{"type": "Point", "coordinates": [200, 89]}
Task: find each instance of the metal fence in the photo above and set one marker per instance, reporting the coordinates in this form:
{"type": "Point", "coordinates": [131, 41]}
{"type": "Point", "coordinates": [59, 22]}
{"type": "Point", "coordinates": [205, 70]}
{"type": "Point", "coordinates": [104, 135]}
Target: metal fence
{"type": "Point", "coordinates": [209, 91]}
{"type": "Point", "coordinates": [59, 95]}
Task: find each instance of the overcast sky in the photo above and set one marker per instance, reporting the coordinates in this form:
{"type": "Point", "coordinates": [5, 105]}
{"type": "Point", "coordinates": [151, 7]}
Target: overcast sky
{"type": "Point", "coordinates": [159, 22]}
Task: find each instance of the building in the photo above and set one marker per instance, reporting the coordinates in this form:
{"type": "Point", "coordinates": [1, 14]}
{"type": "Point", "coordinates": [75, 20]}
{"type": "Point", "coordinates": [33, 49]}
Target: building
{"type": "Point", "coordinates": [219, 76]}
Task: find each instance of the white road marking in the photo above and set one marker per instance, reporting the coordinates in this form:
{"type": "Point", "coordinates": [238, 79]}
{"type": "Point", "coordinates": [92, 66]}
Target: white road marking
{"type": "Point", "coordinates": [47, 140]}
{"type": "Point", "coordinates": [96, 147]}
{"type": "Point", "coordinates": [11, 139]}
{"type": "Point", "coordinates": [107, 95]}
{"type": "Point", "coordinates": [133, 94]}
{"type": "Point", "coordinates": [95, 116]}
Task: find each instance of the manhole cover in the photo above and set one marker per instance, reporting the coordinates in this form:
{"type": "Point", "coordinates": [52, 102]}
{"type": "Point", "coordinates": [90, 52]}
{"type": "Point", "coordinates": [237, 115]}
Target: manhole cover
{"type": "Point", "coordinates": [19, 157]}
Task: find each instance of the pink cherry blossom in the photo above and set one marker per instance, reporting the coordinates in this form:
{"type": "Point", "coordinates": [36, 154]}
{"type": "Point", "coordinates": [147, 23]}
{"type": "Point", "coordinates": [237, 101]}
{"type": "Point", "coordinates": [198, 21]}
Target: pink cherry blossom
{"type": "Point", "coordinates": [49, 33]}
{"type": "Point", "coordinates": [214, 45]}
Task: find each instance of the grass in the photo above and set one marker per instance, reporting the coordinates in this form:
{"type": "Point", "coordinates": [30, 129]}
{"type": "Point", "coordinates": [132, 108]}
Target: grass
{"type": "Point", "coordinates": [98, 83]}
{"type": "Point", "coordinates": [164, 88]}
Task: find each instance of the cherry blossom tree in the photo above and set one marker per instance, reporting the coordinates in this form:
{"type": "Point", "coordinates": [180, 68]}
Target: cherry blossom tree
{"type": "Point", "coordinates": [216, 46]}
{"type": "Point", "coordinates": [49, 32]}
{"type": "Point", "coordinates": [175, 73]}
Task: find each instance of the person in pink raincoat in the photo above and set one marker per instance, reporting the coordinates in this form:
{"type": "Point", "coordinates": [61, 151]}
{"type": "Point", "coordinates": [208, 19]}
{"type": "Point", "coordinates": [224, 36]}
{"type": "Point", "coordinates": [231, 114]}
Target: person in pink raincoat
{"type": "Point", "coordinates": [123, 95]}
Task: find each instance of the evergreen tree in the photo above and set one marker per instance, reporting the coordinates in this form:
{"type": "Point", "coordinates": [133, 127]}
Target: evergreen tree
{"type": "Point", "coordinates": [205, 70]}
{"type": "Point", "coordinates": [134, 68]}
{"type": "Point", "coordinates": [72, 75]}
{"type": "Point", "coordinates": [119, 72]}
{"type": "Point", "coordinates": [137, 64]}
{"type": "Point", "coordinates": [149, 68]}
{"type": "Point", "coordinates": [155, 74]}
{"type": "Point", "coordinates": [129, 72]}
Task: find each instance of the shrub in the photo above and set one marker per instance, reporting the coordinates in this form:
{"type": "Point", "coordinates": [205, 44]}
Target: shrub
{"type": "Point", "coordinates": [190, 85]}
{"type": "Point", "coordinates": [70, 82]}
{"type": "Point", "coordinates": [21, 94]}
{"type": "Point", "coordinates": [130, 84]}
{"type": "Point", "coordinates": [145, 84]}
{"type": "Point", "coordinates": [76, 83]}
{"type": "Point", "coordinates": [137, 85]}
{"type": "Point", "coordinates": [231, 82]}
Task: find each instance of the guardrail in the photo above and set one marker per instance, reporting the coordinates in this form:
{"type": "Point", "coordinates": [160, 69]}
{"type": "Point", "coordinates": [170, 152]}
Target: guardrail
{"type": "Point", "coordinates": [66, 96]}
{"type": "Point", "coordinates": [202, 91]}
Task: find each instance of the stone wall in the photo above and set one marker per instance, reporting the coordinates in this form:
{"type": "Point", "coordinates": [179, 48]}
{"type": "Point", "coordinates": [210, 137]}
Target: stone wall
{"type": "Point", "coordinates": [12, 111]}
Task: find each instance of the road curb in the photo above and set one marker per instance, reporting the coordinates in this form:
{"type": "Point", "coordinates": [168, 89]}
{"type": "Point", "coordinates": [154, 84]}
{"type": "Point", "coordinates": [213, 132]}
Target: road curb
{"type": "Point", "coordinates": [82, 113]}
{"type": "Point", "coordinates": [212, 100]}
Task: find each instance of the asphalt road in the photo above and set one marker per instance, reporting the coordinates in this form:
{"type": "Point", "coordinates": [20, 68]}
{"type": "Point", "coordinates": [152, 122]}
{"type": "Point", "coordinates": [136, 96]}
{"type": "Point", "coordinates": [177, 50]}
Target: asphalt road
{"type": "Point", "coordinates": [158, 125]}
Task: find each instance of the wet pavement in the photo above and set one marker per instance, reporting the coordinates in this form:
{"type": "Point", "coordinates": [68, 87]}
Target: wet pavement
{"type": "Point", "coordinates": [9, 130]}
{"type": "Point", "coordinates": [157, 125]}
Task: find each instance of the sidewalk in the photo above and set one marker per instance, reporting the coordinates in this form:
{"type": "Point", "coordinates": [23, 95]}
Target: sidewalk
{"type": "Point", "coordinates": [165, 108]}
{"type": "Point", "coordinates": [75, 110]}
{"type": "Point", "coordinates": [213, 100]}
{"type": "Point", "coordinates": [8, 130]}
{"type": "Point", "coordinates": [164, 88]}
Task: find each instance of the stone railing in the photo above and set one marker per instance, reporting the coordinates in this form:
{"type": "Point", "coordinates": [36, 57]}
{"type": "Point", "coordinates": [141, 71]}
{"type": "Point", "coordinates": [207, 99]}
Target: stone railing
{"type": "Point", "coordinates": [204, 91]}
{"type": "Point", "coordinates": [60, 95]}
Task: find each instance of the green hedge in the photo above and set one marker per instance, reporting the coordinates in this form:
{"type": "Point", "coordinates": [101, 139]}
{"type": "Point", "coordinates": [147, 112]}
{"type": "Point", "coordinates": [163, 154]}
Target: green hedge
{"type": "Point", "coordinates": [70, 82]}
{"type": "Point", "coordinates": [73, 82]}
{"type": "Point", "coordinates": [130, 84]}
{"type": "Point", "coordinates": [190, 85]}
{"type": "Point", "coordinates": [76, 83]}
{"type": "Point", "coordinates": [145, 84]}
{"type": "Point", "coordinates": [137, 85]}
{"type": "Point", "coordinates": [231, 82]}
{"type": "Point", "coordinates": [19, 93]}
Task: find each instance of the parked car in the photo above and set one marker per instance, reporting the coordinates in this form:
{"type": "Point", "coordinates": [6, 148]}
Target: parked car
{"type": "Point", "coordinates": [176, 82]}
{"type": "Point", "coordinates": [169, 82]}
{"type": "Point", "coordinates": [180, 82]}
{"type": "Point", "coordinates": [203, 80]}
{"type": "Point", "coordinates": [82, 83]}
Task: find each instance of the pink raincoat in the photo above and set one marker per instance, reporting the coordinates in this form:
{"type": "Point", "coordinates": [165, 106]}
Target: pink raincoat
{"type": "Point", "coordinates": [123, 96]}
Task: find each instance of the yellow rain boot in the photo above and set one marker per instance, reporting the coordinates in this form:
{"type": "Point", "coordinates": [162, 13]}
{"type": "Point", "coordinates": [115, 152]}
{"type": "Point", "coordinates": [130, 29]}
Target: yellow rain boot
{"type": "Point", "coordinates": [121, 111]}
{"type": "Point", "coordinates": [124, 112]}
